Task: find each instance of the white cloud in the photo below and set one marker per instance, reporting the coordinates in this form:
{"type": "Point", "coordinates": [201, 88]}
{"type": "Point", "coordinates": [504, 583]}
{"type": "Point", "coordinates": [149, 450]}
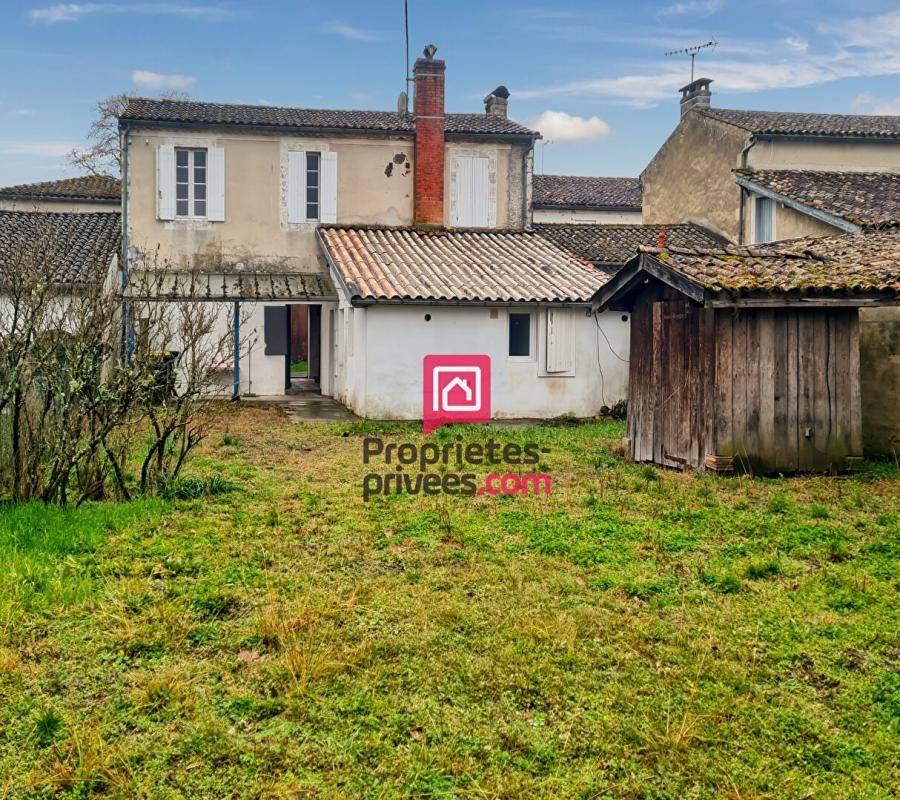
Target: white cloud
{"type": "Point", "coordinates": [867, 103]}
{"type": "Point", "coordinates": [797, 43]}
{"type": "Point", "coordinates": [558, 126]}
{"type": "Point", "coordinates": [859, 48]}
{"type": "Point", "coordinates": [156, 80]}
{"type": "Point", "coordinates": [697, 8]}
{"type": "Point", "coordinates": [72, 12]}
{"type": "Point", "coordinates": [350, 32]}
{"type": "Point", "coordinates": [50, 149]}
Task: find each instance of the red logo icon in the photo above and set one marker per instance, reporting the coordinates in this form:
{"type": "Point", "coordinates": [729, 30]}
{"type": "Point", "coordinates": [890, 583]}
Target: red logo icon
{"type": "Point", "coordinates": [455, 389]}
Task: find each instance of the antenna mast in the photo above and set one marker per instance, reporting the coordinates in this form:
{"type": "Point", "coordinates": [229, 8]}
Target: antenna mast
{"type": "Point", "coordinates": [406, 40]}
{"type": "Point", "coordinates": [692, 52]}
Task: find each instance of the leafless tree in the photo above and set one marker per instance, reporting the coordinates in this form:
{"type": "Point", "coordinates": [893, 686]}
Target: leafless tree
{"type": "Point", "coordinates": [103, 155]}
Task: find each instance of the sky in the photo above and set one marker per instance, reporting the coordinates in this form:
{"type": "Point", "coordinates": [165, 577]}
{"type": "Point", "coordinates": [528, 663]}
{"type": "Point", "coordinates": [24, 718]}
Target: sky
{"type": "Point", "coordinates": [592, 76]}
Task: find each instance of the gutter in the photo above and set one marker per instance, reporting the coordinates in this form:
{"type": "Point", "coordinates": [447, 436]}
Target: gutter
{"type": "Point", "coordinates": [546, 207]}
{"type": "Point", "coordinates": [126, 343]}
{"type": "Point", "coordinates": [364, 302]}
{"type": "Point", "coordinates": [744, 159]}
{"type": "Point", "coordinates": [106, 201]}
{"type": "Point", "coordinates": [822, 216]}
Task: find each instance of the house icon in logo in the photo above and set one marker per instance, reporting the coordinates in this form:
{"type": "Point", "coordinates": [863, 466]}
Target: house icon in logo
{"type": "Point", "coordinates": [457, 388]}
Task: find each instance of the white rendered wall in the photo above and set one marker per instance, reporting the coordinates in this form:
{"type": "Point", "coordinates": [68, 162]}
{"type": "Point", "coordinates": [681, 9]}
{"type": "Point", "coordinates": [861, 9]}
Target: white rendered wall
{"type": "Point", "coordinates": [562, 216]}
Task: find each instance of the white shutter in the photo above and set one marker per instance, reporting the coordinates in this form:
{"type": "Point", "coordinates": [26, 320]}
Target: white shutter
{"type": "Point", "coordinates": [165, 181]}
{"type": "Point", "coordinates": [559, 340]}
{"type": "Point", "coordinates": [471, 200]}
{"type": "Point", "coordinates": [296, 186]}
{"type": "Point", "coordinates": [328, 188]}
{"type": "Point", "coordinates": [215, 204]}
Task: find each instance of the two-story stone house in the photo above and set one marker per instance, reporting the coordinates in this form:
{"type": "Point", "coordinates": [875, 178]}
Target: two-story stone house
{"type": "Point", "coordinates": [763, 176]}
{"type": "Point", "coordinates": [404, 234]}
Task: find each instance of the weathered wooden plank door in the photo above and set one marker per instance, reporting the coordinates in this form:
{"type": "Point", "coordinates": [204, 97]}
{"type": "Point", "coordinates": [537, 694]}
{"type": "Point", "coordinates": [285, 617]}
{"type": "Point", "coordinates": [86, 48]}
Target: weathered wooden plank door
{"type": "Point", "coordinates": [675, 331]}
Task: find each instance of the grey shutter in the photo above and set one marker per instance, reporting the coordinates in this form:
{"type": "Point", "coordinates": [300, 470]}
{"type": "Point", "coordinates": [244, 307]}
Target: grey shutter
{"type": "Point", "coordinates": [165, 182]}
{"type": "Point", "coordinates": [275, 330]}
{"type": "Point", "coordinates": [215, 172]}
{"type": "Point", "coordinates": [765, 220]}
{"type": "Point", "coordinates": [296, 186]}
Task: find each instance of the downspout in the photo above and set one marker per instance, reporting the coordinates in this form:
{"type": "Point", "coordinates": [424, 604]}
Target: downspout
{"type": "Point", "coordinates": [127, 334]}
{"type": "Point", "coordinates": [236, 395]}
{"type": "Point", "coordinates": [744, 153]}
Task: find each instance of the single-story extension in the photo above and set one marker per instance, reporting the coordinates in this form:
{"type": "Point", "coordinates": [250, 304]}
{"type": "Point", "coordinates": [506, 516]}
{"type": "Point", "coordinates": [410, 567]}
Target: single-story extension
{"type": "Point", "coordinates": [405, 293]}
{"type": "Point", "coordinates": [747, 358]}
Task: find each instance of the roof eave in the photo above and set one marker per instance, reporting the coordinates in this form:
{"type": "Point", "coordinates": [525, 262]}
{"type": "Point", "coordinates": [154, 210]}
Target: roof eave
{"type": "Point", "coordinates": [129, 123]}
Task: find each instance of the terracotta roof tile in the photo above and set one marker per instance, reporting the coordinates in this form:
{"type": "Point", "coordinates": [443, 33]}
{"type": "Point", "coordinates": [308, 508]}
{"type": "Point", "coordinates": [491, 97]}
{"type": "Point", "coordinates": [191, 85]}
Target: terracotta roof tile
{"type": "Point", "coordinates": [615, 244]}
{"type": "Point", "coordinates": [575, 191]}
{"type": "Point", "coordinates": [867, 199]}
{"type": "Point", "coordinates": [86, 187]}
{"type": "Point", "coordinates": [802, 124]}
{"type": "Point", "coordinates": [384, 264]}
{"type": "Point", "coordinates": [147, 110]}
{"type": "Point", "coordinates": [71, 248]}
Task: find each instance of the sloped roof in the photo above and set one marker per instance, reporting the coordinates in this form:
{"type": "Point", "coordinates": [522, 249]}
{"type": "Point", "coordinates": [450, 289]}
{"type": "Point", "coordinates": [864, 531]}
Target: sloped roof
{"type": "Point", "coordinates": [68, 248]}
{"type": "Point", "coordinates": [85, 187]}
{"type": "Point", "coordinates": [615, 244]}
{"type": "Point", "coordinates": [576, 191]}
{"type": "Point", "coordinates": [866, 199]}
{"type": "Point", "coordinates": [852, 267]}
{"type": "Point", "coordinates": [456, 266]}
{"type": "Point", "coordinates": [189, 111]}
{"type": "Point", "coordinates": [183, 284]}
{"type": "Point", "coordinates": [796, 123]}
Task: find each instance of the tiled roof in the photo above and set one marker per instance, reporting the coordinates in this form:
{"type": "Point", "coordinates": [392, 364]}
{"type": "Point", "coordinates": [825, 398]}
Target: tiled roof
{"type": "Point", "coordinates": [574, 191]}
{"type": "Point", "coordinates": [800, 124]}
{"type": "Point", "coordinates": [867, 199]}
{"type": "Point", "coordinates": [230, 286]}
{"type": "Point", "coordinates": [384, 264]}
{"type": "Point", "coordinates": [843, 266]}
{"type": "Point", "coordinates": [86, 187]}
{"type": "Point", "coordinates": [72, 248]}
{"type": "Point", "coordinates": [615, 244]}
{"type": "Point", "coordinates": [331, 119]}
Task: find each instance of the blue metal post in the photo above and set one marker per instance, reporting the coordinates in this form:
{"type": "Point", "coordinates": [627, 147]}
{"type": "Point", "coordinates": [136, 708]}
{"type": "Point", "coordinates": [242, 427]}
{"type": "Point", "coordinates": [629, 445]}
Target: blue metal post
{"type": "Point", "coordinates": [237, 350]}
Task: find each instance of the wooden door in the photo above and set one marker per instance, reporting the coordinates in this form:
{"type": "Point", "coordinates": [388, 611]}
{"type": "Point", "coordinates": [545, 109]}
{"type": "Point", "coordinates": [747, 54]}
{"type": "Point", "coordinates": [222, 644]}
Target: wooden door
{"type": "Point", "coordinates": [678, 416]}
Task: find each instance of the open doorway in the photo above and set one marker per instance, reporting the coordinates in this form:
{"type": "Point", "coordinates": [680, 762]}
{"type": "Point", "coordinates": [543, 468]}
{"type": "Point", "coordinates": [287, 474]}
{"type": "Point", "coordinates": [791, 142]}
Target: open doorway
{"type": "Point", "coordinates": [304, 342]}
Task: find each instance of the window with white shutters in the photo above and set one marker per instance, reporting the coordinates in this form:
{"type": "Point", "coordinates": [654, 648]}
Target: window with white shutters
{"type": "Point", "coordinates": [190, 183]}
{"type": "Point", "coordinates": [311, 187]}
{"type": "Point", "coordinates": [472, 193]}
{"type": "Point", "coordinates": [560, 341]}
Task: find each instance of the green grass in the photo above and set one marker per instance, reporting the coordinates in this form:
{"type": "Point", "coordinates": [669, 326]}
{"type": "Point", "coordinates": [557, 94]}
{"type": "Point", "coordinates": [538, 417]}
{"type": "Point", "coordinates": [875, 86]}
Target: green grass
{"type": "Point", "coordinates": [300, 367]}
{"type": "Point", "coordinates": [638, 634]}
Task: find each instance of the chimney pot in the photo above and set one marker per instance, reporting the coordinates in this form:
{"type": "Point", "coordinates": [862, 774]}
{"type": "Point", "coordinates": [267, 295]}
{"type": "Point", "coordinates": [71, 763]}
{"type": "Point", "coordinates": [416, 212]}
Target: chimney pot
{"type": "Point", "coordinates": [661, 239]}
{"type": "Point", "coordinates": [496, 102]}
{"type": "Point", "coordinates": [695, 95]}
{"type": "Point", "coordinates": [428, 111]}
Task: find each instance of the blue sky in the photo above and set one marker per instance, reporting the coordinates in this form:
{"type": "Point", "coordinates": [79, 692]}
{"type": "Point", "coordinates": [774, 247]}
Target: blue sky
{"type": "Point", "coordinates": [597, 67]}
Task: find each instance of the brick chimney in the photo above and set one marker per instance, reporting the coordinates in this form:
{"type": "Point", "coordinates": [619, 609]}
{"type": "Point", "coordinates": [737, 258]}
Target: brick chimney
{"type": "Point", "coordinates": [695, 95]}
{"type": "Point", "coordinates": [428, 110]}
{"type": "Point", "coordinates": [496, 102]}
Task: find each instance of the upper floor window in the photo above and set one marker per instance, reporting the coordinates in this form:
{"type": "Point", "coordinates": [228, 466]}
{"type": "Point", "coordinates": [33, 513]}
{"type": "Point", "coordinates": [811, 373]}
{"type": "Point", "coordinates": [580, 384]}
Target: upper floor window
{"type": "Point", "coordinates": [472, 204]}
{"type": "Point", "coordinates": [763, 220]}
{"type": "Point", "coordinates": [190, 182]}
{"type": "Point", "coordinates": [313, 183]}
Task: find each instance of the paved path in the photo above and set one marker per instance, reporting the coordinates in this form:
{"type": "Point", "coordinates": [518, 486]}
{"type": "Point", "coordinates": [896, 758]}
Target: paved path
{"type": "Point", "coordinates": [307, 407]}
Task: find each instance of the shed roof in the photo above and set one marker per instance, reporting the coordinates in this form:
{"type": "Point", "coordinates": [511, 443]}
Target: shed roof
{"type": "Point", "coordinates": [613, 245]}
{"type": "Point", "coordinates": [580, 192]}
{"type": "Point", "coordinates": [229, 286]}
{"type": "Point", "coordinates": [84, 187]}
{"type": "Point", "coordinates": [861, 199]}
{"type": "Point", "coordinates": [839, 270]}
{"type": "Point", "coordinates": [456, 266]}
{"type": "Point", "coordinates": [141, 109]}
{"type": "Point", "coordinates": [794, 123]}
{"type": "Point", "coordinates": [67, 248]}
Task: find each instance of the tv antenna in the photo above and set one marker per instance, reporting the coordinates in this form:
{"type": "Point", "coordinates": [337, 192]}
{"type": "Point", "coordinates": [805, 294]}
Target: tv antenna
{"type": "Point", "coordinates": [692, 52]}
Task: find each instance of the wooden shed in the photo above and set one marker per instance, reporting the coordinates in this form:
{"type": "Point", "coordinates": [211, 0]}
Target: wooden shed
{"type": "Point", "coordinates": [748, 359]}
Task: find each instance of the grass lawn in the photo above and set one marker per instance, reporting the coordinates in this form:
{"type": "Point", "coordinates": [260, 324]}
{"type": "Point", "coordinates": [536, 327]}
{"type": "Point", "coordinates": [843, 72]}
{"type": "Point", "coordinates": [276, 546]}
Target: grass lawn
{"type": "Point", "coordinates": [299, 367]}
{"type": "Point", "coordinates": [637, 634]}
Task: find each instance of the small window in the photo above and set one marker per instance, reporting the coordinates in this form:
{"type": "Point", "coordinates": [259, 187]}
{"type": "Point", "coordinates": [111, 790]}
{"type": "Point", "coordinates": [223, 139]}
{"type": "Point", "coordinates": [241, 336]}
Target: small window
{"type": "Point", "coordinates": [313, 184]}
{"type": "Point", "coordinates": [190, 183]}
{"type": "Point", "coordinates": [519, 335]}
{"type": "Point", "coordinates": [765, 220]}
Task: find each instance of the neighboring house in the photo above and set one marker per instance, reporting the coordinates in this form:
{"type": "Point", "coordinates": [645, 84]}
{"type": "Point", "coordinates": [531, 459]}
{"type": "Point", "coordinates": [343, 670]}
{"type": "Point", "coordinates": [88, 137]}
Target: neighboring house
{"type": "Point", "coordinates": [227, 202]}
{"type": "Point", "coordinates": [88, 194]}
{"type": "Point", "coordinates": [747, 358]}
{"type": "Point", "coordinates": [511, 295]}
{"type": "Point", "coordinates": [761, 176]}
{"type": "Point", "coordinates": [608, 247]}
{"type": "Point", "coordinates": [571, 198]}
